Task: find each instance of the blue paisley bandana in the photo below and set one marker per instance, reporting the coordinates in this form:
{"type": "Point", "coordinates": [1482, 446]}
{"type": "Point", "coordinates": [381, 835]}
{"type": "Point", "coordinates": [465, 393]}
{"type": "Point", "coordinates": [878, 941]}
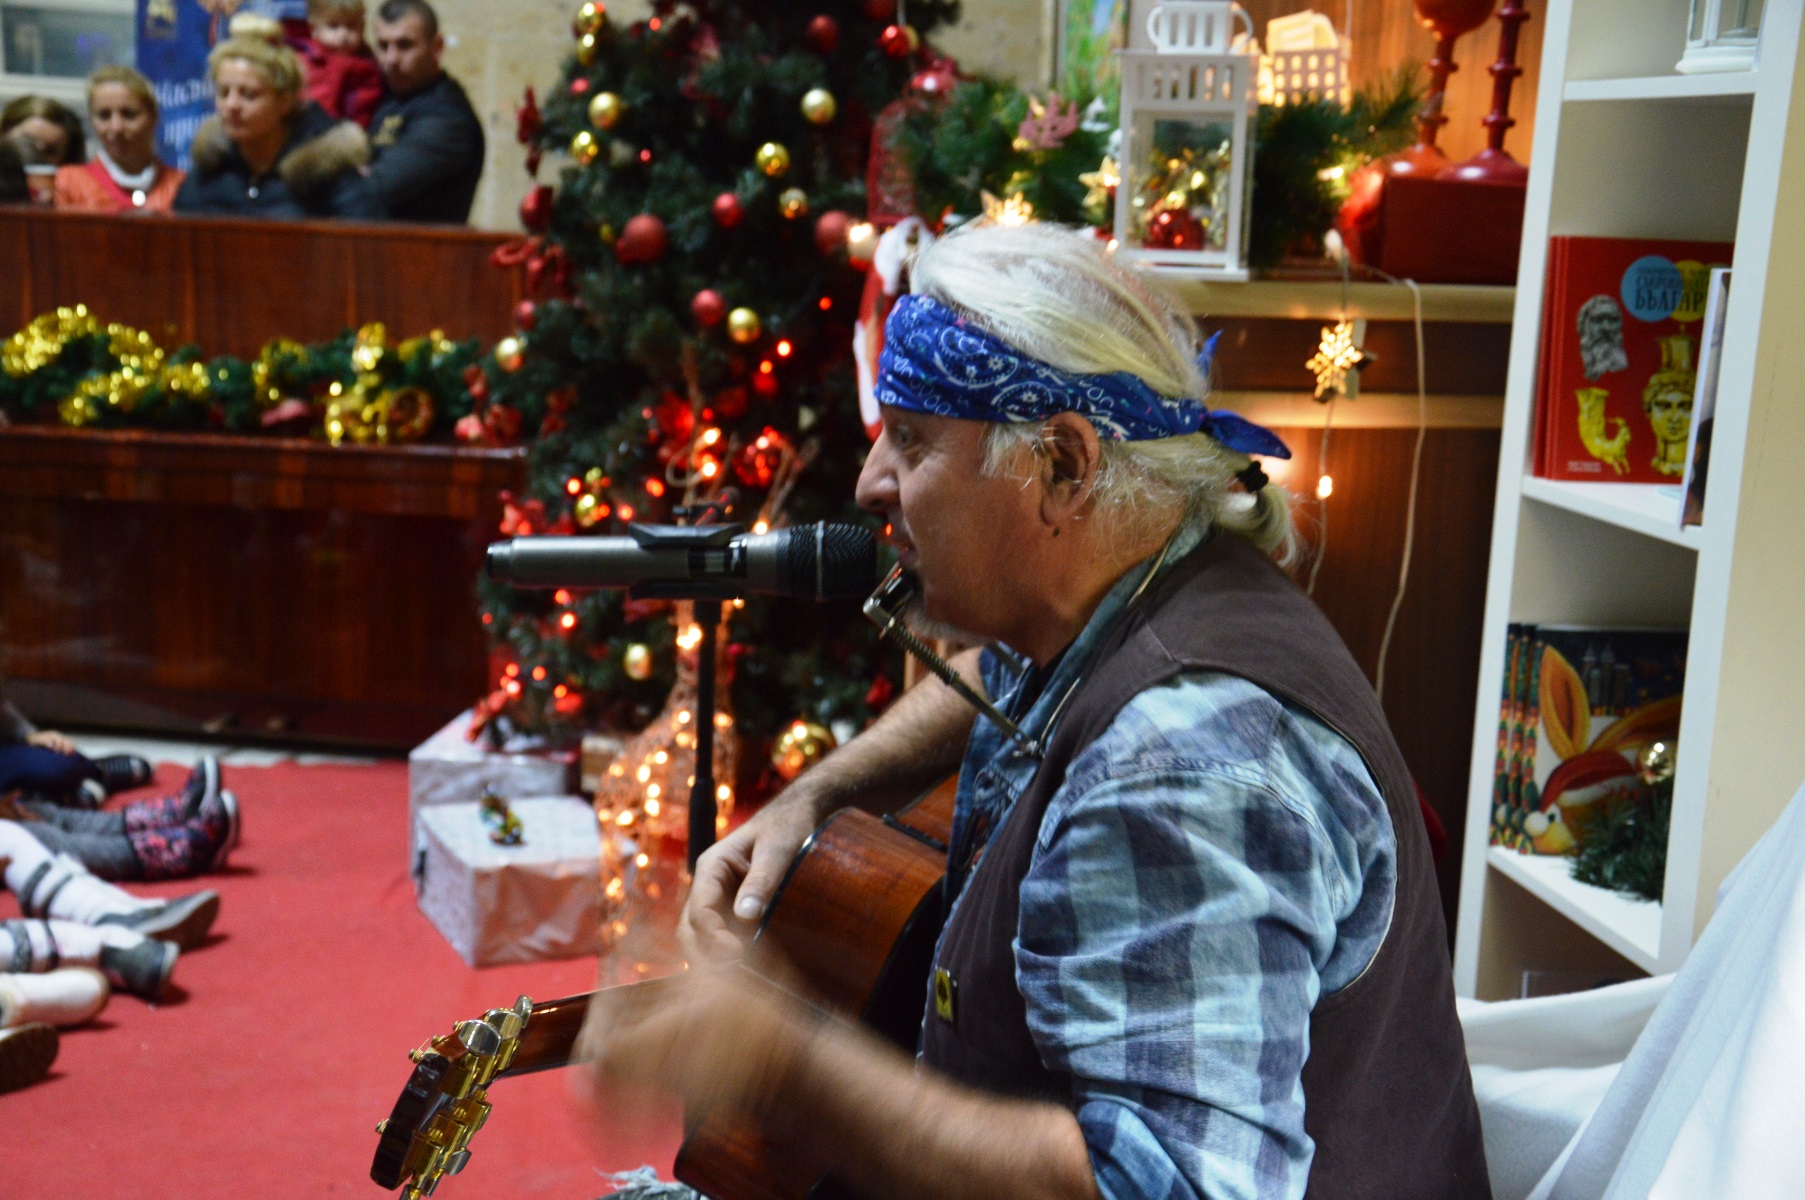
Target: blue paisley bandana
{"type": "Point", "coordinates": [936, 362]}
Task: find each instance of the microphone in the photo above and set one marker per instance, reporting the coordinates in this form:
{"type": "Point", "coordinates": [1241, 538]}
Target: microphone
{"type": "Point", "coordinates": [817, 562]}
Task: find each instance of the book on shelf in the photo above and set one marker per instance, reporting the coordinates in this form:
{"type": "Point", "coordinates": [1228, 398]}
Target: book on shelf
{"type": "Point", "coordinates": [1704, 399]}
{"type": "Point", "coordinates": [1579, 707]}
{"type": "Point", "coordinates": [1621, 323]}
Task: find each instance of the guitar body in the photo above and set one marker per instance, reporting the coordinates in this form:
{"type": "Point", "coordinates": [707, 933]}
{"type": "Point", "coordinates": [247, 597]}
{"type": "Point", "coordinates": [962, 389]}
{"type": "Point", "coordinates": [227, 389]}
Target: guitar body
{"type": "Point", "coordinates": [856, 917]}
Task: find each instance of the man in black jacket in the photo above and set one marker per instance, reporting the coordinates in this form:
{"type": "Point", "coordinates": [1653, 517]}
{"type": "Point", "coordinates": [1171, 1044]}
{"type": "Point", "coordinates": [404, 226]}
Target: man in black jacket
{"type": "Point", "coordinates": [427, 139]}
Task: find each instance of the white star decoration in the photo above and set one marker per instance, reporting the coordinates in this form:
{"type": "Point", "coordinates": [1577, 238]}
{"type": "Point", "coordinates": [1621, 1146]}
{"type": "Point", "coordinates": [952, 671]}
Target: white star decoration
{"type": "Point", "coordinates": [1336, 358]}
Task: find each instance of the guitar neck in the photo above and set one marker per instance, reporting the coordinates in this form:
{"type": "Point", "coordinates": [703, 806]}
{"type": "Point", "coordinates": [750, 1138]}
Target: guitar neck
{"type": "Point", "coordinates": [550, 1037]}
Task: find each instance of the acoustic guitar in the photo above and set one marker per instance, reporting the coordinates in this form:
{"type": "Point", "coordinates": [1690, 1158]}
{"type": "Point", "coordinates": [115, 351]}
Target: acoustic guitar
{"type": "Point", "coordinates": [857, 917]}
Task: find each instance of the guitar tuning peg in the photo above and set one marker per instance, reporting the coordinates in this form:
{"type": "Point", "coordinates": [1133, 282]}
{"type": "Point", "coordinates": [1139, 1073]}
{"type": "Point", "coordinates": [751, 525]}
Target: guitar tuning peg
{"type": "Point", "coordinates": [415, 1055]}
{"type": "Point", "coordinates": [382, 1127]}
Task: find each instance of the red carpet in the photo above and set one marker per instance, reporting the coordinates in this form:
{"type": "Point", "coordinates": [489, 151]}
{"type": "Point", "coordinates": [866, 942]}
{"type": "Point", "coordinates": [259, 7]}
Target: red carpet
{"type": "Point", "coordinates": [266, 1073]}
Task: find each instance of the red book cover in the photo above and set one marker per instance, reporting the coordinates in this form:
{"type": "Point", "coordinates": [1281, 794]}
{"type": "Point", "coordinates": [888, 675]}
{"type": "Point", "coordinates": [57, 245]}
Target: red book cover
{"type": "Point", "coordinates": [1619, 370]}
{"type": "Point", "coordinates": [1551, 347]}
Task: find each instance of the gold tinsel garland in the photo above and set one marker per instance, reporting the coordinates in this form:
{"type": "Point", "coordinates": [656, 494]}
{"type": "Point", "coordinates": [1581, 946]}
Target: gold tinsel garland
{"type": "Point", "coordinates": [365, 412]}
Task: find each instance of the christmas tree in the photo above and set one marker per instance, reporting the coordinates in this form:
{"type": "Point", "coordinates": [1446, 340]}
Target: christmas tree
{"type": "Point", "coordinates": [689, 340]}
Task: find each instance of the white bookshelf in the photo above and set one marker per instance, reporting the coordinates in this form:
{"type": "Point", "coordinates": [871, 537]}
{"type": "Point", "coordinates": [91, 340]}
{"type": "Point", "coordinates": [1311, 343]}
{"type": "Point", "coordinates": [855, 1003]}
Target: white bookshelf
{"type": "Point", "coordinates": [1625, 147]}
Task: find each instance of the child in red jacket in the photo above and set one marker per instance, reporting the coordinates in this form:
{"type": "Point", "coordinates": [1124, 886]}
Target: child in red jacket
{"type": "Point", "coordinates": [342, 75]}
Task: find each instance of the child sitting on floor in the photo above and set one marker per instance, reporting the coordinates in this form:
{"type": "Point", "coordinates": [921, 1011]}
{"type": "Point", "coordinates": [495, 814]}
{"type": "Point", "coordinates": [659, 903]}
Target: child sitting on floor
{"type": "Point", "coordinates": [342, 75]}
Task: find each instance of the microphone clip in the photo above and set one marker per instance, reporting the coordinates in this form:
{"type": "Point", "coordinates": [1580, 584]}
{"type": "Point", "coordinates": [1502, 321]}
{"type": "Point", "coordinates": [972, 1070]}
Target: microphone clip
{"type": "Point", "coordinates": [694, 538]}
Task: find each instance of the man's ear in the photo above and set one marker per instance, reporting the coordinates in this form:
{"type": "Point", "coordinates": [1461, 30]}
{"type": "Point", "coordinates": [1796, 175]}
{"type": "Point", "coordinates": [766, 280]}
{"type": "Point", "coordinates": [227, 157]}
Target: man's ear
{"type": "Point", "coordinates": [1072, 454]}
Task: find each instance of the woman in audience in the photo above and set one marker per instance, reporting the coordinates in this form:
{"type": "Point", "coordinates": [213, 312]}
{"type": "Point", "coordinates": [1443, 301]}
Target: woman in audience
{"type": "Point", "coordinates": [267, 153]}
{"type": "Point", "coordinates": [54, 133]}
{"type": "Point", "coordinates": [125, 174]}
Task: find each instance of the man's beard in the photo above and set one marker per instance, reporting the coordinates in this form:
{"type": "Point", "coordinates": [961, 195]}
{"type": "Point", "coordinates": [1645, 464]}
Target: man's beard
{"type": "Point", "coordinates": [915, 616]}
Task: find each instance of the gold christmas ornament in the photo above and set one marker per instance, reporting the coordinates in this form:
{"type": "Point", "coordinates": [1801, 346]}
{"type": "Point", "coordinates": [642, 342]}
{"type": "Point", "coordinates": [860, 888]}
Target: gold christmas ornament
{"type": "Point", "coordinates": [586, 507]}
{"type": "Point", "coordinates": [584, 148]}
{"type": "Point", "coordinates": [773, 158]}
{"type": "Point", "coordinates": [1655, 764]}
{"type": "Point", "coordinates": [636, 661]}
{"type": "Point", "coordinates": [799, 747]}
{"type": "Point", "coordinates": [509, 354]}
{"type": "Point", "coordinates": [606, 233]}
{"type": "Point", "coordinates": [587, 45]}
{"type": "Point", "coordinates": [819, 106]}
{"type": "Point", "coordinates": [793, 203]}
{"type": "Point", "coordinates": [743, 326]}
{"type": "Point", "coordinates": [369, 416]}
{"type": "Point", "coordinates": [605, 109]}
{"type": "Point", "coordinates": [589, 19]}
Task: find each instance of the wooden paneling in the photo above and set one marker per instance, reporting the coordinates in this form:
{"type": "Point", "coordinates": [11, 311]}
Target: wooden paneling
{"type": "Point", "coordinates": [230, 286]}
{"type": "Point", "coordinates": [1432, 669]}
{"type": "Point", "coordinates": [1387, 34]}
{"type": "Point", "coordinates": [258, 585]}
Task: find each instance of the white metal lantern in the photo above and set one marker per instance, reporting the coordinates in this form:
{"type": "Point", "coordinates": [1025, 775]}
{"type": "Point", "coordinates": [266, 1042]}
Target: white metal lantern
{"type": "Point", "coordinates": [1187, 148]}
{"type": "Point", "coordinates": [1723, 35]}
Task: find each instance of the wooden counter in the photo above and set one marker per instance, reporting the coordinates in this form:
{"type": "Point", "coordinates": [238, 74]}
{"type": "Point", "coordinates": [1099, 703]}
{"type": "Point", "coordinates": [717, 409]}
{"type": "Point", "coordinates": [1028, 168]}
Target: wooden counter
{"type": "Point", "coordinates": [251, 585]}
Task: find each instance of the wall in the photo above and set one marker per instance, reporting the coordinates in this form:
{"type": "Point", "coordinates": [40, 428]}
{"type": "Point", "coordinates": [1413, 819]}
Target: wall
{"type": "Point", "coordinates": [497, 50]}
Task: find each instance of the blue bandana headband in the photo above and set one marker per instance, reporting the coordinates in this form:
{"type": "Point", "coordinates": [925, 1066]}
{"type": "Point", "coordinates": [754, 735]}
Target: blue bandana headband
{"type": "Point", "coordinates": [936, 362]}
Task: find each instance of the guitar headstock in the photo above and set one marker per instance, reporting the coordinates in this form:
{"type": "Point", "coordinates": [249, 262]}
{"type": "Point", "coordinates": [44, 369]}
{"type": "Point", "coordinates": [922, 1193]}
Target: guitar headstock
{"type": "Point", "coordinates": [427, 1134]}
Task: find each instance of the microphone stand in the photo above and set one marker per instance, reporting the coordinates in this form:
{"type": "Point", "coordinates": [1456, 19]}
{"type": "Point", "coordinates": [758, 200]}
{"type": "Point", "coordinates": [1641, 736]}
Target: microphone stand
{"type": "Point", "coordinates": [707, 598]}
{"type": "Point", "coordinates": [702, 792]}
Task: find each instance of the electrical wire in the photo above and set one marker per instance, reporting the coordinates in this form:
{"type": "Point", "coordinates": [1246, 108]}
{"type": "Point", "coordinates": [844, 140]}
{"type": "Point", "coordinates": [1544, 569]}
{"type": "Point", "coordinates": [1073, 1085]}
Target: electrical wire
{"type": "Point", "coordinates": [1416, 470]}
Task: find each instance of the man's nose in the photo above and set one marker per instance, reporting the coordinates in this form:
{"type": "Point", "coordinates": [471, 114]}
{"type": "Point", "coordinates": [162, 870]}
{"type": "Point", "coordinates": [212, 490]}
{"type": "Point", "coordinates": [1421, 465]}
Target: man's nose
{"type": "Point", "coordinates": [876, 490]}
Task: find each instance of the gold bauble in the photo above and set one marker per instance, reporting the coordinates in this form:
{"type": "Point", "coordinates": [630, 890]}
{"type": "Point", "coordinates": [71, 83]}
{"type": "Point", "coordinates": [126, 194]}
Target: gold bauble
{"type": "Point", "coordinates": [636, 661]}
{"type": "Point", "coordinates": [773, 158]}
{"type": "Point", "coordinates": [819, 106]}
{"type": "Point", "coordinates": [589, 19]}
{"type": "Point", "coordinates": [607, 233]}
{"type": "Point", "coordinates": [605, 109]}
{"type": "Point", "coordinates": [586, 49]}
{"type": "Point", "coordinates": [793, 203]}
{"type": "Point", "coordinates": [1655, 764]}
{"type": "Point", "coordinates": [743, 326]}
{"type": "Point", "coordinates": [509, 354]}
{"type": "Point", "coordinates": [584, 148]}
{"type": "Point", "coordinates": [585, 508]}
{"type": "Point", "coordinates": [800, 747]}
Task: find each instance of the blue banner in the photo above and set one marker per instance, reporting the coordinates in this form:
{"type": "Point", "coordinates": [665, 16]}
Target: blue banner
{"type": "Point", "coordinates": [174, 37]}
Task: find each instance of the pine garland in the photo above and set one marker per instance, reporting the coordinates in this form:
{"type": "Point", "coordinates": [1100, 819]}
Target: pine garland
{"type": "Point", "coordinates": [1626, 849]}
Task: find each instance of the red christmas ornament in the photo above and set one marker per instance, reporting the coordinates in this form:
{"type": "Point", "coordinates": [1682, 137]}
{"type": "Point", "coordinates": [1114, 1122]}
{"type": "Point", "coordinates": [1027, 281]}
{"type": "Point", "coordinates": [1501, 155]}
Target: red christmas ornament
{"type": "Point", "coordinates": [764, 384]}
{"type": "Point", "coordinates": [708, 308]}
{"type": "Point", "coordinates": [579, 86]}
{"type": "Point", "coordinates": [879, 10]}
{"type": "Point", "coordinates": [727, 210]}
{"type": "Point", "coordinates": [1175, 229]}
{"type": "Point", "coordinates": [526, 314]}
{"type": "Point", "coordinates": [830, 231]}
{"type": "Point", "coordinates": [644, 240]}
{"type": "Point", "coordinates": [822, 35]}
{"type": "Point", "coordinates": [470, 429]}
{"type": "Point", "coordinates": [536, 209]}
{"type": "Point", "coordinates": [502, 424]}
{"type": "Point", "coordinates": [898, 41]}
{"type": "Point", "coordinates": [527, 121]}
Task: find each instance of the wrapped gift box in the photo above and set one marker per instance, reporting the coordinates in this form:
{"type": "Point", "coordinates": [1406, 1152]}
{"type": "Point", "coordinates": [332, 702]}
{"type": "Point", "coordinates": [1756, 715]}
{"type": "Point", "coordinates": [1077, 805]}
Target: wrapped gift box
{"type": "Point", "coordinates": [508, 904]}
{"type": "Point", "coordinates": [448, 768]}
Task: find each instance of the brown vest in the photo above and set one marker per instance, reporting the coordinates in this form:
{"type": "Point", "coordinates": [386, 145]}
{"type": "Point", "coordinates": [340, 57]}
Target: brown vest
{"type": "Point", "coordinates": [1387, 1096]}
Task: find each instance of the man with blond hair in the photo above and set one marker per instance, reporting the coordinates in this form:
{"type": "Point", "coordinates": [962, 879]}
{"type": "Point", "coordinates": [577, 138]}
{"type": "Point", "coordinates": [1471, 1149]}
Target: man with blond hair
{"type": "Point", "coordinates": [1195, 947]}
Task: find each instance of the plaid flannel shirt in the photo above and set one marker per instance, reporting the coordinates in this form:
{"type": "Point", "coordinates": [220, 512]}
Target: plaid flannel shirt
{"type": "Point", "coordinates": [1214, 862]}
